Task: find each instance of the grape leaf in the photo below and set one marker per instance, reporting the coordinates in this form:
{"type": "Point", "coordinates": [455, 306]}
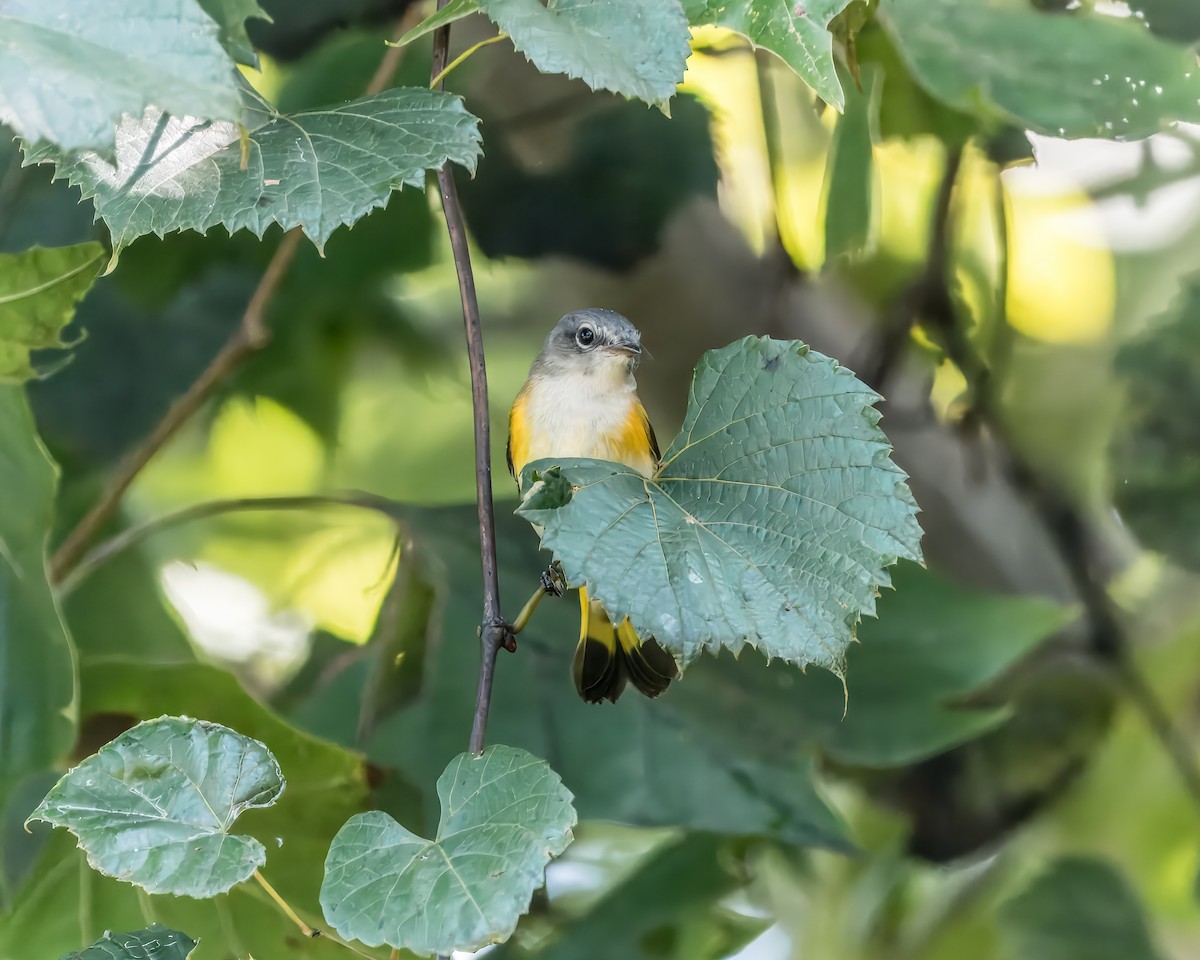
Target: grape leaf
{"type": "Point", "coordinates": [154, 806]}
{"type": "Point", "coordinates": [797, 33]}
{"type": "Point", "coordinates": [771, 521]}
{"type": "Point", "coordinates": [38, 292]}
{"type": "Point", "coordinates": [1078, 908]}
{"type": "Point", "coordinates": [638, 48]}
{"type": "Point", "coordinates": [317, 170]}
{"type": "Point", "coordinates": [504, 815]}
{"type": "Point", "coordinates": [37, 683]}
{"type": "Point", "coordinates": [1070, 76]}
{"type": "Point", "coordinates": [69, 70]}
{"type": "Point", "coordinates": [156, 942]}
{"type": "Point", "coordinates": [231, 17]}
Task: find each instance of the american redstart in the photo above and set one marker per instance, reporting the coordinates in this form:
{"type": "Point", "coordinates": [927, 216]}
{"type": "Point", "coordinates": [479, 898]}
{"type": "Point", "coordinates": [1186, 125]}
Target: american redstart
{"type": "Point", "coordinates": [581, 401]}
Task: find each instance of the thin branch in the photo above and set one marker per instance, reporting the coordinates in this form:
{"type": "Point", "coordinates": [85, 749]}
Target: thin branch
{"type": "Point", "coordinates": [494, 632]}
{"type": "Point", "coordinates": [251, 336]}
{"type": "Point", "coordinates": [132, 536]}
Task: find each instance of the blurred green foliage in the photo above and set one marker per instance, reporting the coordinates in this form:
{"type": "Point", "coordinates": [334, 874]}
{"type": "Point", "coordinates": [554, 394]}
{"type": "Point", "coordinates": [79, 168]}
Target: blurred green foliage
{"type": "Point", "coordinates": [980, 787]}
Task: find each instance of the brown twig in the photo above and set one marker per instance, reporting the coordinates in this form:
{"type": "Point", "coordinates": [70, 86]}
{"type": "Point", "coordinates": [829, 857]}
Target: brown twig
{"type": "Point", "coordinates": [251, 336]}
{"type": "Point", "coordinates": [132, 536]}
{"type": "Point", "coordinates": [494, 632]}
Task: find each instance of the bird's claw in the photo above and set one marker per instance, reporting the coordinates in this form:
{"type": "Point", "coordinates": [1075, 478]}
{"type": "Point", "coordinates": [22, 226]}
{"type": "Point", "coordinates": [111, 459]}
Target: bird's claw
{"type": "Point", "coordinates": [553, 581]}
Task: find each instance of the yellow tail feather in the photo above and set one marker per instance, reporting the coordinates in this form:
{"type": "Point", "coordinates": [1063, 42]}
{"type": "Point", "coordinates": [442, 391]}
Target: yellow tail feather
{"type": "Point", "coordinates": [607, 658]}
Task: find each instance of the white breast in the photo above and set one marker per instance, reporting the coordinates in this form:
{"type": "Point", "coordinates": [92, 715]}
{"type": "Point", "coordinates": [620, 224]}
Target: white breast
{"type": "Point", "coordinates": [583, 416]}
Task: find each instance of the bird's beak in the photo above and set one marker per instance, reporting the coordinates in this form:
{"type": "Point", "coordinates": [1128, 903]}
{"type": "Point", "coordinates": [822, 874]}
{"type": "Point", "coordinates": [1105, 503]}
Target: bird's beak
{"type": "Point", "coordinates": [631, 347]}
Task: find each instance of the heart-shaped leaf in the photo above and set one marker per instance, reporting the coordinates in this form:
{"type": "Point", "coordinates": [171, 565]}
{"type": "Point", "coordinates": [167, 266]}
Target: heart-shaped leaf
{"type": "Point", "coordinates": [38, 292]}
{"type": "Point", "coordinates": [316, 170]}
{"type": "Point", "coordinates": [156, 942]}
{"type": "Point", "coordinates": [772, 520]}
{"type": "Point", "coordinates": [69, 70]}
{"type": "Point", "coordinates": [154, 807]}
{"type": "Point", "coordinates": [504, 815]}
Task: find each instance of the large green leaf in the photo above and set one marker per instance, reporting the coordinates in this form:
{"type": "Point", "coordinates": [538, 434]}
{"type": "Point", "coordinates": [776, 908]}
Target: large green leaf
{"type": "Point", "coordinates": [154, 807]}
{"type": "Point", "coordinates": [797, 33]}
{"type": "Point", "coordinates": [231, 17]}
{"type": "Point", "coordinates": [771, 522]}
{"type": "Point", "coordinates": [504, 815]}
{"type": "Point", "coordinates": [1061, 75]}
{"type": "Point", "coordinates": [156, 942]}
{"type": "Point", "coordinates": [64, 903]}
{"type": "Point", "coordinates": [38, 292]}
{"type": "Point", "coordinates": [1156, 447]}
{"type": "Point", "coordinates": [37, 683]}
{"type": "Point", "coordinates": [642, 762]}
{"type": "Point", "coordinates": [69, 70]}
{"type": "Point", "coordinates": [1077, 909]}
{"type": "Point", "coordinates": [316, 170]}
{"type": "Point", "coordinates": [637, 48]}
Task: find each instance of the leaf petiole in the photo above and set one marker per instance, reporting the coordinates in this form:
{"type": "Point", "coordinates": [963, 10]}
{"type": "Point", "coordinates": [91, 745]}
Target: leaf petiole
{"type": "Point", "coordinates": [433, 84]}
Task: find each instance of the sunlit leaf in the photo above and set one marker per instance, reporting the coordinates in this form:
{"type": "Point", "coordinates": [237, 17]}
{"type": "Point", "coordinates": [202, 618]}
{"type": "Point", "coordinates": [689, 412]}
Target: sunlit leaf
{"type": "Point", "coordinates": [37, 684]}
{"type": "Point", "coordinates": [850, 174]}
{"type": "Point", "coordinates": [156, 942]}
{"type": "Point", "coordinates": [504, 815]}
{"type": "Point", "coordinates": [154, 807]}
{"type": "Point", "coordinates": [771, 522]}
{"type": "Point", "coordinates": [69, 70]}
{"type": "Point", "coordinates": [1077, 909]}
{"type": "Point", "coordinates": [797, 33]}
{"type": "Point", "coordinates": [38, 292]}
{"type": "Point", "coordinates": [316, 170]}
{"type": "Point", "coordinates": [1072, 76]}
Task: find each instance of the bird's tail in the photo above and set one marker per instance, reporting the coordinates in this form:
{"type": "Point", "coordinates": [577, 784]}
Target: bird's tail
{"type": "Point", "coordinates": [608, 656]}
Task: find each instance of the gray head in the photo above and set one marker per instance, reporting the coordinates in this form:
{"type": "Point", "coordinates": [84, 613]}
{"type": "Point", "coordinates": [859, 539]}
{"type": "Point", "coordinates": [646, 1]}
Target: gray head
{"type": "Point", "coordinates": [592, 341]}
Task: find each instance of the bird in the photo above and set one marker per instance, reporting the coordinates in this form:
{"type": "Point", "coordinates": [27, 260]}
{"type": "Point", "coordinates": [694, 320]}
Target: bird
{"type": "Point", "coordinates": [581, 401]}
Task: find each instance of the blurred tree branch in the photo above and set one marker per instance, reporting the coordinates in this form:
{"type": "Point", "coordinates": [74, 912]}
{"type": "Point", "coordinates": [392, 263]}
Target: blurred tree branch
{"type": "Point", "coordinates": [1068, 527]}
{"type": "Point", "coordinates": [252, 335]}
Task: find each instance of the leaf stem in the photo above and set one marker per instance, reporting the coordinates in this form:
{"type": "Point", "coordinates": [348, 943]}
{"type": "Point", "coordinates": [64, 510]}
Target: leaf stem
{"type": "Point", "coordinates": [251, 336]}
{"type": "Point", "coordinates": [494, 632]}
{"type": "Point", "coordinates": [286, 907]}
{"type": "Point", "coordinates": [435, 82]}
{"type": "Point", "coordinates": [136, 534]}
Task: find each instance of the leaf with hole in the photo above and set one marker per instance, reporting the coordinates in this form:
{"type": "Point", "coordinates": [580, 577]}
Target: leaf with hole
{"type": "Point", "coordinates": [155, 806]}
{"type": "Point", "coordinates": [231, 17]}
{"type": "Point", "coordinates": [771, 522]}
{"type": "Point", "coordinates": [504, 815]}
{"type": "Point", "coordinates": [156, 942]}
{"type": "Point", "coordinates": [797, 33]}
{"type": "Point", "coordinates": [317, 170]}
{"type": "Point", "coordinates": [1071, 76]}
{"type": "Point", "coordinates": [69, 70]}
{"type": "Point", "coordinates": [38, 292]}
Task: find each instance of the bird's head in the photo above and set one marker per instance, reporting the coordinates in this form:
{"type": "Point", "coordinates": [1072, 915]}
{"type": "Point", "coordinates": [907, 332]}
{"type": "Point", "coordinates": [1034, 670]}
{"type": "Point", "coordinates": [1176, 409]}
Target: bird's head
{"type": "Point", "coordinates": [592, 341]}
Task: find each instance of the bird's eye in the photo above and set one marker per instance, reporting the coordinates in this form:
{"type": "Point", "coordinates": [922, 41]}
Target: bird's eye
{"type": "Point", "coordinates": [586, 336]}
